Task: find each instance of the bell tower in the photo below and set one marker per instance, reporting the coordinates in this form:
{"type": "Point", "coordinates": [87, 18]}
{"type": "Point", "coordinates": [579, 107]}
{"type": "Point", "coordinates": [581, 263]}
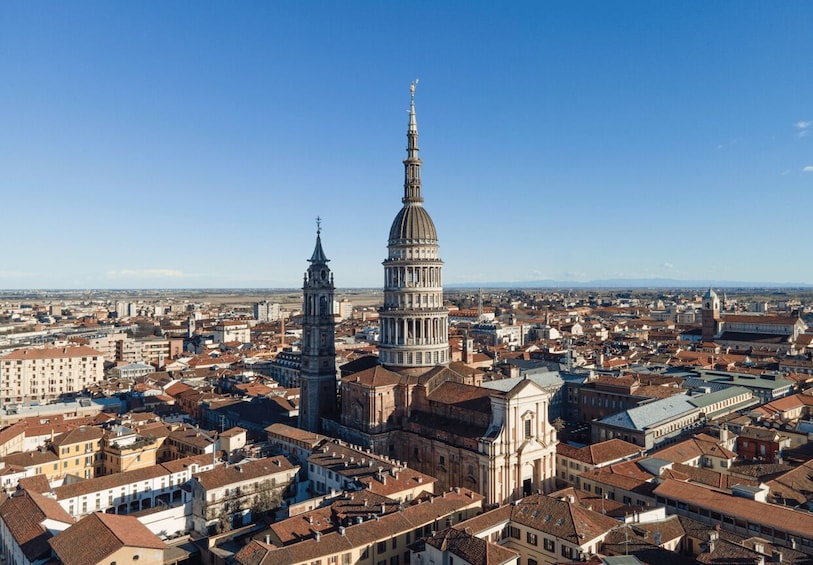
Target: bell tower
{"type": "Point", "coordinates": [710, 315]}
{"type": "Point", "coordinates": [318, 373]}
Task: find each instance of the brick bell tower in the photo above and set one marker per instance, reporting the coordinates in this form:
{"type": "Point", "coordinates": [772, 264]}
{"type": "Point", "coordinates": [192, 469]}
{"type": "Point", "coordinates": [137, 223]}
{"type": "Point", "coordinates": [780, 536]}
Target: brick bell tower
{"type": "Point", "coordinates": [710, 315]}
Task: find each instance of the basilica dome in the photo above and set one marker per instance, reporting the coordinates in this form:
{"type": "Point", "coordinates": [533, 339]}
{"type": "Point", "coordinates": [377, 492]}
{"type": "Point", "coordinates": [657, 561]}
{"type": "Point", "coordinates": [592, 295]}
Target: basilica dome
{"type": "Point", "coordinates": [412, 225]}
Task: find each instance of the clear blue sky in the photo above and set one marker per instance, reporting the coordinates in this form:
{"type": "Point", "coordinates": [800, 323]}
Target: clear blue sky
{"type": "Point", "coordinates": [192, 144]}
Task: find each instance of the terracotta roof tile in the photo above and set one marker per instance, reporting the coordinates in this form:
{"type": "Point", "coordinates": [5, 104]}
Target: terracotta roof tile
{"type": "Point", "coordinates": [108, 532]}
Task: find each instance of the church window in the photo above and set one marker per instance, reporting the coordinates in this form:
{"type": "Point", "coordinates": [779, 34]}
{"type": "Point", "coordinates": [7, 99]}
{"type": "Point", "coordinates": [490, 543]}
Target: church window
{"type": "Point", "coordinates": [527, 424]}
{"type": "Point", "coordinates": [419, 358]}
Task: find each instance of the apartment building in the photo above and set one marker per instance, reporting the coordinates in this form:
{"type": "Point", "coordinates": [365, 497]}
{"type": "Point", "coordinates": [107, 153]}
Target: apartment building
{"type": "Point", "coordinates": [367, 532]}
{"type": "Point", "coordinates": [571, 460]}
{"type": "Point", "coordinates": [79, 452]}
{"type": "Point", "coordinates": [43, 374]}
{"type": "Point", "coordinates": [543, 529]}
{"type": "Point", "coordinates": [124, 449]}
{"type": "Point", "coordinates": [227, 497]}
{"type": "Point", "coordinates": [232, 330]}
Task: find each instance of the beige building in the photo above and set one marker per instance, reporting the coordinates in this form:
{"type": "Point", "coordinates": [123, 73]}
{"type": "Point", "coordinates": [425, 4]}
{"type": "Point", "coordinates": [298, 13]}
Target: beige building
{"type": "Point", "coordinates": [79, 452]}
{"type": "Point", "coordinates": [33, 374]}
{"type": "Point", "coordinates": [543, 529]}
{"type": "Point", "coordinates": [123, 449]}
{"type": "Point", "coordinates": [232, 330]}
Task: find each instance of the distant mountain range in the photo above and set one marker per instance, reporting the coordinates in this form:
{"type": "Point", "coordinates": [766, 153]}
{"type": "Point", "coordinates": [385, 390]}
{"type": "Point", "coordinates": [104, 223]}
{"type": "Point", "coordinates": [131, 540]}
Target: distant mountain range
{"type": "Point", "coordinates": [632, 283]}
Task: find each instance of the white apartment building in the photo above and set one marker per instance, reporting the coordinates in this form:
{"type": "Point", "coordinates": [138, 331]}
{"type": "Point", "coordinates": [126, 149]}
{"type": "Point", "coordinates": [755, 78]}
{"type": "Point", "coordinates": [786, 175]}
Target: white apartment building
{"type": "Point", "coordinates": [232, 330]}
{"type": "Point", "coordinates": [30, 374]}
{"type": "Point", "coordinates": [158, 486]}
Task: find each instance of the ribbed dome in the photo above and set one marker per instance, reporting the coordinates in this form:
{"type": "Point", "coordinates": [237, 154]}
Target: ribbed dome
{"type": "Point", "coordinates": [413, 224]}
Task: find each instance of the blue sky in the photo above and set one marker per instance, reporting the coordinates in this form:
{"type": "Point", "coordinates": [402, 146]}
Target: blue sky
{"type": "Point", "coordinates": [192, 144]}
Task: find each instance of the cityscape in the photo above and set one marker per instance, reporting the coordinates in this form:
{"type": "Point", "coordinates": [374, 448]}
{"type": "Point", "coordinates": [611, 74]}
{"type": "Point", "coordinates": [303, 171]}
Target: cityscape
{"type": "Point", "coordinates": [186, 391]}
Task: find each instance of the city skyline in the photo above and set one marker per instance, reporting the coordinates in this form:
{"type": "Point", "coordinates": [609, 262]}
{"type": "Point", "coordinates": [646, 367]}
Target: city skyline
{"type": "Point", "coordinates": [193, 146]}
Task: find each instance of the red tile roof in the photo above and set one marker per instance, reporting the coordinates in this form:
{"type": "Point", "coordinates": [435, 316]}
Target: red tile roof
{"type": "Point", "coordinates": [23, 515]}
{"type": "Point", "coordinates": [108, 532]}
{"type": "Point", "coordinates": [51, 353]}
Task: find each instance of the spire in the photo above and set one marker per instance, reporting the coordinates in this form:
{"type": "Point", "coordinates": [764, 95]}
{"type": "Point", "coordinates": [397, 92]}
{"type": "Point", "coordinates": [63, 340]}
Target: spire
{"type": "Point", "coordinates": [318, 253]}
{"type": "Point", "coordinates": [412, 164]}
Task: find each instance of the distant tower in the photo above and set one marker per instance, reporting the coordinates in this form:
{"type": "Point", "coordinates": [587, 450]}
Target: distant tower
{"type": "Point", "coordinates": [710, 315]}
{"type": "Point", "coordinates": [414, 323]}
{"type": "Point", "coordinates": [190, 328]}
{"type": "Point", "coordinates": [468, 349]}
{"type": "Point", "coordinates": [318, 374]}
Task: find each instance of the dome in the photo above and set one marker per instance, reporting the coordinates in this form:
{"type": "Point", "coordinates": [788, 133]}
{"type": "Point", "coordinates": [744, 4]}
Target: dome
{"type": "Point", "coordinates": [710, 294]}
{"type": "Point", "coordinates": [413, 224]}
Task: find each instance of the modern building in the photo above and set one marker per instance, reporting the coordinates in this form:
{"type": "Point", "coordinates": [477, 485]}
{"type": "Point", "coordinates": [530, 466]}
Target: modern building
{"type": "Point", "coordinates": [266, 311]}
{"type": "Point", "coordinates": [33, 374]}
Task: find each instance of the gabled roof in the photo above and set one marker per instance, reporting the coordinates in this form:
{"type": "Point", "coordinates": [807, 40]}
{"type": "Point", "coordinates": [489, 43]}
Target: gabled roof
{"type": "Point", "coordinates": [233, 474]}
{"type": "Point", "coordinates": [600, 453]}
{"type": "Point", "coordinates": [23, 515]}
{"type": "Point", "coordinates": [470, 548]}
{"type": "Point", "coordinates": [374, 377]}
{"type": "Point", "coordinates": [81, 434]}
{"type": "Point", "coordinates": [693, 448]}
{"type": "Point", "coordinates": [98, 535]}
{"type": "Point", "coordinates": [561, 518]}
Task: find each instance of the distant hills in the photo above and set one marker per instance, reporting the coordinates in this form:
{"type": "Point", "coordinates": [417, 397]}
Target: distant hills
{"type": "Point", "coordinates": [632, 283]}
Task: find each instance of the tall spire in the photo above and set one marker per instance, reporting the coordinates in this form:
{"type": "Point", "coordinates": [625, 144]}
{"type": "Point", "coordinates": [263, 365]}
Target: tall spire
{"type": "Point", "coordinates": [412, 164]}
{"type": "Point", "coordinates": [318, 253]}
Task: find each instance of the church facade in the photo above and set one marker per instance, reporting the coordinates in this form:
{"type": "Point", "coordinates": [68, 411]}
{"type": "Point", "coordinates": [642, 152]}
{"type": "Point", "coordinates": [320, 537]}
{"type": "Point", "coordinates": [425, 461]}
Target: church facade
{"type": "Point", "coordinates": [418, 407]}
{"type": "Point", "coordinates": [750, 333]}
